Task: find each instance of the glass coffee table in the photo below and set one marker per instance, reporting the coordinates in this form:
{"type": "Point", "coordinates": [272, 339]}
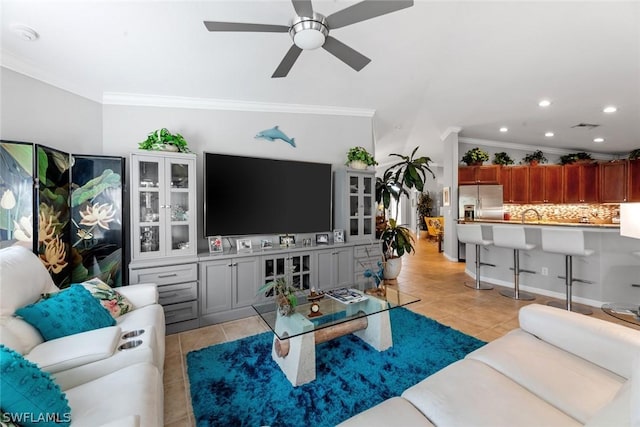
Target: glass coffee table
{"type": "Point", "coordinates": [295, 336]}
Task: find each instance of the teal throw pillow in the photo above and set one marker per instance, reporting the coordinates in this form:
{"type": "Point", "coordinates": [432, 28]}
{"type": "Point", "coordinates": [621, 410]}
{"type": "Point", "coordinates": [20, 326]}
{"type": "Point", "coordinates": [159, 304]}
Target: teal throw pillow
{"type": "Point", "coordinates": [67, 312]}
{"type": "Point", "coordinates": [28, 396]}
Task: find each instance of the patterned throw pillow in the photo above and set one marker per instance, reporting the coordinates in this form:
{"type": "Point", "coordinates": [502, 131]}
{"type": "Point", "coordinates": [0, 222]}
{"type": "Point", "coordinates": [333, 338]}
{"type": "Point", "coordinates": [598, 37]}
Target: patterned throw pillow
{"type": "Point", "coordinates": [68, 312]}
{"type": "Point", "coordinates": [29, 395]}
{"type": "Point", "coordinates": [116, 303]}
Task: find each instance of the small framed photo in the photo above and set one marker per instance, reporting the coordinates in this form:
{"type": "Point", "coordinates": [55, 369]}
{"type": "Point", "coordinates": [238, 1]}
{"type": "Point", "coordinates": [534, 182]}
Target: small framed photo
{"type": "Point", "coordinates": [243, 245]}
{"type": "Point", "coordinates": [287, 240]}
{"type": "Point", "coordinates": [306, 242]}
{"type": "Point", "coordinates": [322, 239]}
{"type": "Point", "coordinates": [215, 244]}
{"type": "Point", "coordinates": [338, 236]}
{"type": "Point", "coordinates": [266, 244]}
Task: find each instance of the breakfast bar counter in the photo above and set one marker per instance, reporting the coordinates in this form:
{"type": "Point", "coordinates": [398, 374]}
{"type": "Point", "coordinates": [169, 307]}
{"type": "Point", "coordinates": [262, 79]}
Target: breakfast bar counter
{"type": "Point", "coordinates": [613, 269]}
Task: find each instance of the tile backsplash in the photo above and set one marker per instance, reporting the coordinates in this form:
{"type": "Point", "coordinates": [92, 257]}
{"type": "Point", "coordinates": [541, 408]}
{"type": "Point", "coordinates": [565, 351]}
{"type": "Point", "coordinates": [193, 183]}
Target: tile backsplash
{"type": "Point", "coordinates": [596, 213]}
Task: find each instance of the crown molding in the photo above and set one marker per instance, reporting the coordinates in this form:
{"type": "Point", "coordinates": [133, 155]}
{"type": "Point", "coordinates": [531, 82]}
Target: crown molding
{"type": "Point", "coordinates": [514, 146]}
{"type": "Point", "coordinates": [449, 131]}
{"type": "Point", "coordinates": [14, 63]}
{"type": "Point", "coordinates": [142, 100]}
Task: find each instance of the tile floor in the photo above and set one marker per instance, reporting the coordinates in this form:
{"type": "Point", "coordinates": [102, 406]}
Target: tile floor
{"type": "Point", "coordinates": [428, 275]}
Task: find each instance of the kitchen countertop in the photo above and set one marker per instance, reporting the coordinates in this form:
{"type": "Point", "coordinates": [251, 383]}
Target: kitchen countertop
{"type": "Point", "coordinates": [545, 223]}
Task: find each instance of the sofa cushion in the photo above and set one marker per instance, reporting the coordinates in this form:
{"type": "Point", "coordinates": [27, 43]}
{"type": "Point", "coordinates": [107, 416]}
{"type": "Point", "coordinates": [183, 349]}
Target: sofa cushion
{"type": "Point", "coordinates": [25, 389]}
{"type": "Point", "coordinates": [603, 343]}
{"type": "Point", "coordinates": [470, 393]}
{"type": "Point", "coordinates": [395, 411]}
{"type": "Point", "coordinates": [68, 312]}
{"type": "Point", "coordinates": [116, 303]}
{"type": "Point", "coordinates": [575, 386]}
{"type": "Point", "coordinates": [24, 279]}
{"type": "Point", "coordinates": [17, 334]}
{"type": "Point", "coordinates": [134, 390]}
{"type": "Point", "coordinates": [617, 412]}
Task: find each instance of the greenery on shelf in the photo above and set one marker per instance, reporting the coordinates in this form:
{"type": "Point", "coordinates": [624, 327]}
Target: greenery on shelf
{"type": "Point", "coordinates": [502, 158]}
{"type": "Point", "coordinates": [567, 159]}
{"type": "Point", "coordinates": [424, 208]}
{"type": "Point", "coordinates": [161, 138]}
{"type": "Point", "coordinates": [398, 179]}
{"type": "Point", "coordinates": [534, 158]}
{"type": "Point", "coordinates": [475, 156]}
{"type": "Point", "coordinates": [635, 154]}
{"type": "Point", "coordinates": [360, 154]}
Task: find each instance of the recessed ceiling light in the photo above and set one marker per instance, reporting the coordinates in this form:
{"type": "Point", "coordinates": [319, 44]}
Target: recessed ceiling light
{"type": "Point", "coordinates": [504, 129]}
{"type": "Point", "coordinates": [24, 32]}
{"type": "Point", "coordinates": [598, 140]}
{"type": "Point", "coordinates": [609, 109]}
{"type": "Point", "coordinates": [544, 103]}
{"type": "Point", "coordinates": [548, 134]}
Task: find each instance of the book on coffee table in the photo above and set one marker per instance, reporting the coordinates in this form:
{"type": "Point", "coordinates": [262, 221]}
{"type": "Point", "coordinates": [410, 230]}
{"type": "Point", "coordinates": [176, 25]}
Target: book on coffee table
{"type": "Point", "coordinates": [346, 296]}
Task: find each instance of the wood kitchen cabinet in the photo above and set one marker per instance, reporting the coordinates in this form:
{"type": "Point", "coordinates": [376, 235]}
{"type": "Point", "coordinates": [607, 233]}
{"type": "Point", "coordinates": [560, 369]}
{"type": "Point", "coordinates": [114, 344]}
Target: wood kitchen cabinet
{"type": "Point", "coordinates": [613, 181]}
{"type": "Point", "coordinates": [515, 184]}
{"type": "Point", "coordinates": [580, 183]}
{"type": "Point", "coordinates": [633, 181]}
{"type": "Point", "coordinates": [545, 184]}
{"type": "Point", "coordinates": [489, 174]}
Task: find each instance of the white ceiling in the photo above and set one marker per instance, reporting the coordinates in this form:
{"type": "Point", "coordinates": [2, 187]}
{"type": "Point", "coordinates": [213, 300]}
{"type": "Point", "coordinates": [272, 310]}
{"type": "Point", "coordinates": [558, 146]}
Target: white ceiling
{"type": "Point", "coordinates": [475, 65]}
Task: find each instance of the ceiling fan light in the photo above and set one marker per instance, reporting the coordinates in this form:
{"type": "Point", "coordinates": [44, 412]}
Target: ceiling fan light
{"type": "Point", "coordinates": [308, 39]}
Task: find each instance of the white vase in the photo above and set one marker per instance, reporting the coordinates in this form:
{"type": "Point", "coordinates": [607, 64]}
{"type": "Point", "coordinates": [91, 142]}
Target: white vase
{"type": "Point", "coordinates": [392, 268]}
{"type": "Point", "coordinates": [357, 164]}
{"type": "Point", "coordinates": [170, 147]}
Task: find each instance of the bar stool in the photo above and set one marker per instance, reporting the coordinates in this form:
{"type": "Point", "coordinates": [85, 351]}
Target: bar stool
{"type": "Point", "coordinates": [472, 233]}
{"type": "Point", "coordinates": [570, 243]}
{"type": "Point", "coordinates": [513, 237]}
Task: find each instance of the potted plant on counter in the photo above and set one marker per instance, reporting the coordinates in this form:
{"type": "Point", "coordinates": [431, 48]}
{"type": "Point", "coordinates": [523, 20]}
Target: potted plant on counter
{"type": "Point", "coordinates": [359, 158]}
{"type": "Point", "coordinates": [284, 293]}
{"type": "Point", "coordinates": [163, 140]}
{"type": "Point", "coordinates": [475, 157]}
{"type": "Point", "coordinates": [398, 179]}
{"type": "Point", "coordinates": [534, 158]}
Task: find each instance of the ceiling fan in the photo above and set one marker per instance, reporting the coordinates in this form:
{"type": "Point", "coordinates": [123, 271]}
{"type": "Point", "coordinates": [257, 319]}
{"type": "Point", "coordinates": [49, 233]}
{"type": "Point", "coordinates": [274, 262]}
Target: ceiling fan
{"type": "Point", "coordinates": [310, 30]}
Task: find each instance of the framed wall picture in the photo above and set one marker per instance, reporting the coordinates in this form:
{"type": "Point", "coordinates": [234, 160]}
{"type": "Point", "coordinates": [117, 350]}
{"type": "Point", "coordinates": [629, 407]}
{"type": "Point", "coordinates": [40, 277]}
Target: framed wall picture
{"type": "Point", "coordinates": [215, 244]}
{"type": "Point", "coordinates": [243, 245]}
{"type": "Point", "coordinates": [322, 238]}
{"type": "Point", "coordinates": [306, 242]}
{"type": "Point", "coordinates": [446, 196]}
{"type": "Point", "coordinates": [338, 236]}
{"type": "Point", "coordinates": [266, 244]}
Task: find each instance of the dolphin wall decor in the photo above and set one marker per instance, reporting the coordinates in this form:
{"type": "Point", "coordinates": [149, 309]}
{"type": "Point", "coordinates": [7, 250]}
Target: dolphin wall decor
{"type": "Point", "coordinates": [275, 133]}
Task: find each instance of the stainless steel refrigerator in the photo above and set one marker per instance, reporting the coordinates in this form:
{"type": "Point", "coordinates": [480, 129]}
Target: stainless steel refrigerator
{"type": "Point", "coordinates": [479, 202]}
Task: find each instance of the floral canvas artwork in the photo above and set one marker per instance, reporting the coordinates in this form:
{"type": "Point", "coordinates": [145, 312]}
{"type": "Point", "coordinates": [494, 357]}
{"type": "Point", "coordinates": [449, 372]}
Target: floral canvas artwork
{"type": "Point", "coordinates": [96, 219]}
{"type": "Point", "coordinates": [16, 194]}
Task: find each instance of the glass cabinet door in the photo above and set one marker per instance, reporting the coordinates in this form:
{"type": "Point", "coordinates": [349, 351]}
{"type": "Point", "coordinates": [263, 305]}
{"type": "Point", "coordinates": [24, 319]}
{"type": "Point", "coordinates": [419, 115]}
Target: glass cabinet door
{"type": "Point", "coordinates": [368, 195]}
{"type": "Point", "coordinates": [163, 204]}
{"type": "Point", "coordinates": [181, 234]}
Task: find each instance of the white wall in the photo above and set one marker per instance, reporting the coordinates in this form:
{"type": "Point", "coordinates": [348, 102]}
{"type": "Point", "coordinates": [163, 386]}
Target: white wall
{"type": "Point", "coordinates": [33, 111]}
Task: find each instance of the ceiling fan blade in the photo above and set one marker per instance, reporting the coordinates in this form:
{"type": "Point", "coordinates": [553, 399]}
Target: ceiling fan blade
{"type": "Point", "coordinates": [303, 7]}
{"type": "Point", "coordinates": [287, 62]}
{"type": "Point", "coordinates": [352, 58]}
{"type": "Point", "coordinates": [237, 26]}
{"type": "Point", "coordinates": [365, 10]}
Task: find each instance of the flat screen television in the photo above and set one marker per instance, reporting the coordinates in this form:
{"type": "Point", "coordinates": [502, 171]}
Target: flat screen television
{"type": "Point", "coordinates": [257, 196]}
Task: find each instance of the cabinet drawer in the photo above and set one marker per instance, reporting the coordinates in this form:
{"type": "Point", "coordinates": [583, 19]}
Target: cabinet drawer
{"type": "Point", "coordinates": [367, 252]}
{"type": "Point", "coordinates": [166, 275]}
{"type": "Point", "coordinates": [171, 294]}
{"type": "Point", "coordinates": [180, 312]}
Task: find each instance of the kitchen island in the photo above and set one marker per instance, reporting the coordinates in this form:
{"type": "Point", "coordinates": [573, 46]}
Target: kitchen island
{"type": "Point", "coordinates": [613, 268]}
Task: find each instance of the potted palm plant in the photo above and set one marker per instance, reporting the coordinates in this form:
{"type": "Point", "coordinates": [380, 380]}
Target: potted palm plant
{"type": "Point", "coordinates": [410, 172]}
{"type": "Point", "coordinates": [635, 154]}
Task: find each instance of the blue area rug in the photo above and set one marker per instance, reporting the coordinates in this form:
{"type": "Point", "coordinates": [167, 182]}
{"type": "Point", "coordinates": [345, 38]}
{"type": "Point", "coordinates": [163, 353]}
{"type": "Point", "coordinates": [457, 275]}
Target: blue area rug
{"type": "Point", "coordinates": [238, 384]}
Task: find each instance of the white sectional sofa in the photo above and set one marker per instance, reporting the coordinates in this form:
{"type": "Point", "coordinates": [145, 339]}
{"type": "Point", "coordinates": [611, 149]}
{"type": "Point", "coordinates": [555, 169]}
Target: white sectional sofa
{"type": "Point", "coordinates": [104, 384]}
{"type": "Point", "coordinates": [558, 369]}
